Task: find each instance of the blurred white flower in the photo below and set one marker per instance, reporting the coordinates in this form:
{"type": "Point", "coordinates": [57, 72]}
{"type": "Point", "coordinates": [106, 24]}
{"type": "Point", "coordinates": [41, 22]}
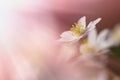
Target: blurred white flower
{"type": "Point", "coordinates": [114, 37]}
{"type": "Point", "coordinates": [78, 30]}
{"type": "Point", "coordinates": [94, 43]}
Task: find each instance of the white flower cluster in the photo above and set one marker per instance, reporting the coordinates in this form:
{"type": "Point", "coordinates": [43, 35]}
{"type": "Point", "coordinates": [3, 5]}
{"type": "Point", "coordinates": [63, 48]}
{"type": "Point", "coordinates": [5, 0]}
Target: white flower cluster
{"type": "Point", "coordinates": [90, 41]}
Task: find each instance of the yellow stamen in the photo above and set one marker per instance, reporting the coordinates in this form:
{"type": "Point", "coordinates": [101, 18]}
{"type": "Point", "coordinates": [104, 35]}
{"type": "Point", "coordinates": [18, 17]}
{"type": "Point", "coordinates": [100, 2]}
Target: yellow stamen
{"type": "Point", "coordinates": [89, 49]}
{"type": "Point", "coordinates": [77, 29]}
{"type": "Point", "coordinates": [86, 48]}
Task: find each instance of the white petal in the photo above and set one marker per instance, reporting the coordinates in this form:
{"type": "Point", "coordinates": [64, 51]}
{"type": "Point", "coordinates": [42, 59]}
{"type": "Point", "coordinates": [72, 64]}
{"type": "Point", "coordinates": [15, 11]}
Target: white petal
{"type": "Point", "coordinates": [67, 36]}
{"type": "Point", "coordinates": [92, 35]}
{"type": "Point", "coordinates": [68, 39]}
{"type": "Point", "coordinates": [102, 36]}
{"type": "Point", "coordinates": [104, 45]}
{"type": "Point", "coordinates": [82, 21]}
{"type": "Point", "coordinates": [89, 26]}
{"type": "Point", "coordinates": [65, 39]}
{"type": "Point", "coordinates": [92, 24]}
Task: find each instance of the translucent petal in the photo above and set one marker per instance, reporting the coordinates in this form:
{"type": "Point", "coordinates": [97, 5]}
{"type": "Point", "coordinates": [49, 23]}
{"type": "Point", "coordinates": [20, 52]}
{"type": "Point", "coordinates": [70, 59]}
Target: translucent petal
{"type": "Point", "coordinates": [92, 35]}
{"type": "Point", "coordinates": [92, 24]}
{"type": "Point", "coordinates": [67, 36]}
{"type": "Point", "coordinates": [102, 36]}
{"type": "Point", "coordinates": [82, 21]}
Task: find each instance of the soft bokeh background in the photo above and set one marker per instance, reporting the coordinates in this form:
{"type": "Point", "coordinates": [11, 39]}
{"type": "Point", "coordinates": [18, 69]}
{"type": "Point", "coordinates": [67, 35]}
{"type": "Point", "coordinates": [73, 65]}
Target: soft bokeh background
{"type": "Point", "coordinates": [31, 27]}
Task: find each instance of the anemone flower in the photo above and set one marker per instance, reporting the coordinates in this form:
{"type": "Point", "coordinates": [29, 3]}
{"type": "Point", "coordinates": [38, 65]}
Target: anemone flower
{"type": "Point", "coordinates": [95, 44]}
{"type": "Point", "coordinates": [114, 37]}
{"type": "Point", "coordinates": [78, 30]}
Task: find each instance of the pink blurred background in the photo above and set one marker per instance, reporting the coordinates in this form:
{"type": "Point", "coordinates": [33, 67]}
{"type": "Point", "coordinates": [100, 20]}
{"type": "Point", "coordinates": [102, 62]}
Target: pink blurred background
{"type": "Point", "coordinates": [66, 12]}
{"type": "Point", "coordinates": [31, 27]}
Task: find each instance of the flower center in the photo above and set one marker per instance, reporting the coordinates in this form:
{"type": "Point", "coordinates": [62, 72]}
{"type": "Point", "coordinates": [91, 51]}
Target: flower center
{"type": "Point", "coordinates": [77, 29]}
{"type": "Point", "coordinates": [87, 49]}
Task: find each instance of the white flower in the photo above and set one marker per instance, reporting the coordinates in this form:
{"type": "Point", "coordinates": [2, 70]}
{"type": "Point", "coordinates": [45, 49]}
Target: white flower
{"type": "Point", "coordinates": [114, 37]}
{"type": "Point", "coordinates": [95, 44]}
{"type": "Point", "coordinates": [78, 30]}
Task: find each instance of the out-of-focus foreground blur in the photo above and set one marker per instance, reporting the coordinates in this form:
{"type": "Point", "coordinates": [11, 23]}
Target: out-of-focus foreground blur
{"type": "Point", "coordinates": [29, 30]}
